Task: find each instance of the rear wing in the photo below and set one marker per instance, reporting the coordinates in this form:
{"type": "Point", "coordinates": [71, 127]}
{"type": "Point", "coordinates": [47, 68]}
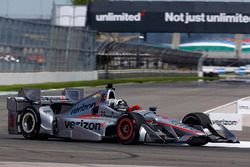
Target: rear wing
{"type": "Point", "coordinates": [31, 95]}
{"type": "Point", "coordinates": [34, 95]}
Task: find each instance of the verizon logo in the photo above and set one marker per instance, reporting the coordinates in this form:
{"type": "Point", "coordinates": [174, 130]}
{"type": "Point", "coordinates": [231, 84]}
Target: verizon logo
{"type": "Point", "coordinates": [110, 16]}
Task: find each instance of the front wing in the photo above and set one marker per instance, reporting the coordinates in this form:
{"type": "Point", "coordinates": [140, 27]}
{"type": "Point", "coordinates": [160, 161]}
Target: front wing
{"type": "Point", "coordinates": [153, 135]}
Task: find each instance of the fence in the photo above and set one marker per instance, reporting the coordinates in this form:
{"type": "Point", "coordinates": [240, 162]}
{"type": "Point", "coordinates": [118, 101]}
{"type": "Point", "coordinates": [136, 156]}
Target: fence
{"type": "Point", "coordinates": [36, 47]}
{"type": "Point", "coordinates": [120, 55]}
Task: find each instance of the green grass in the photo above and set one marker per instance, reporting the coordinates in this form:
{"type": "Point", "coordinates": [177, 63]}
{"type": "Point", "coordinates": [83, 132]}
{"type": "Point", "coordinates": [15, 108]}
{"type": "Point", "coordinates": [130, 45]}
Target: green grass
{"type": "Point", "coordinates": [102, 82]}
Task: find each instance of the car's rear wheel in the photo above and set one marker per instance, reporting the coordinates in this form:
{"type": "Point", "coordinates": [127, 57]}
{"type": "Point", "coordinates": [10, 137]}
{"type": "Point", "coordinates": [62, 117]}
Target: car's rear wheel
{"type": "Point", "coordinates": [197, 119]}
{"type": "Point", "coordinates": [128, 127]}
{"type": "Point", "coordinates": [30, 124]}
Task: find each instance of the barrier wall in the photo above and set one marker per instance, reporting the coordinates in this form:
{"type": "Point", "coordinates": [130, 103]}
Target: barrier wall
{"type": "Point", "coordinates": [43, 77]}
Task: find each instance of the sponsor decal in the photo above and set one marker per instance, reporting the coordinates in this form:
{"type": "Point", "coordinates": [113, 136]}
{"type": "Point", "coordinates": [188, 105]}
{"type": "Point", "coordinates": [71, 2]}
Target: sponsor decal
{"type": "Point", "coordinates": [243, 107]}
{"type": "Point", "coordinates": [225, 122]}
{"type": "Point", "coordinates": [230, 121]}
{"type": "Point", "coordinates": [209, 18]}
{"type": "Point", "coordinates": [53, 98]}
{"type": "Point", "coordinates": [82, 108]}
{"type": "Point", "coordinates": [86, 125]}
{"type": "Point", "coordinates": [112, 17]}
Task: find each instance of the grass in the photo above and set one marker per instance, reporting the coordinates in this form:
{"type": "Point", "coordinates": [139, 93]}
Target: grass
{"type": "Point", "coordinates": [102, 82]}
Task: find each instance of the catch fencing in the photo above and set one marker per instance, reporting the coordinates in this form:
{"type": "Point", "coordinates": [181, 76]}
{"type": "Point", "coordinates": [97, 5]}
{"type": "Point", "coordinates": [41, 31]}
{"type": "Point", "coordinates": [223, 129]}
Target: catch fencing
{"type": "Point", "coordinates": [27, 46]}
{"type": "Point", "coordinates": [121, 55]}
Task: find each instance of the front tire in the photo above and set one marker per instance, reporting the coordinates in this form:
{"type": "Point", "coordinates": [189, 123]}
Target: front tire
{"type": "Point", "coordinates": [30, 124]}
{"type": "Point", "coordinates": [197, 119]}
{"type": "Point", "coordinates": [128, 128]}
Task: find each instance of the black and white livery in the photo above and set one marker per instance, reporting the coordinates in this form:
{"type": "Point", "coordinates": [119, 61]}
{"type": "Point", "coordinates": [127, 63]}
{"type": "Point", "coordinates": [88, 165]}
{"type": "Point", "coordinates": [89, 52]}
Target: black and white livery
{"type": "Point", "coordinates": [102, 115]}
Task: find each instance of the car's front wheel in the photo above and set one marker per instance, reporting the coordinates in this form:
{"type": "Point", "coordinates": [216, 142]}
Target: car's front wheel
{"type": "Point", "coordinates": [197, 119]}
{"type": "Point", "coordinates": [128, 127]}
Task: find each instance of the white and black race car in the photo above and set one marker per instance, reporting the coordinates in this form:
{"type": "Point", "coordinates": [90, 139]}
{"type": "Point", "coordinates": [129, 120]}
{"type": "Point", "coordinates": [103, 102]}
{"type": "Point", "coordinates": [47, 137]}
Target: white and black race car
{"type": "Point", "coordinates": [101, 115]}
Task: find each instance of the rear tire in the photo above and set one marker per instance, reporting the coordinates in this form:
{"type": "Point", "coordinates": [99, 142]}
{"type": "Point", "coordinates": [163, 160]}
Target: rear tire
{"type": "Point", "coordinates": [30, 124]}
{"type": "Point", "coordinates": [128, 128]}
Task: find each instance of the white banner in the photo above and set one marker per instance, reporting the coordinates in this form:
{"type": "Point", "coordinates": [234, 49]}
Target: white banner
{"type": "Point", "coordinates": [230, 121]}
{"type": "Point", "coordinates": [69, 15]}
{"type": "Point", "coordinates": [243, 107]}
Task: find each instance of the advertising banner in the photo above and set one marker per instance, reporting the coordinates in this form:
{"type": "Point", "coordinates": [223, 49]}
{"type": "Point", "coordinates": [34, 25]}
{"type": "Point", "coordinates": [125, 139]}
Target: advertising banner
{"type": "Point", "coordinates": [243, 107]}
{"type": "Point", "coordinates": [170, 16]}
{"type": "Point", "coordinates": [230, 121]}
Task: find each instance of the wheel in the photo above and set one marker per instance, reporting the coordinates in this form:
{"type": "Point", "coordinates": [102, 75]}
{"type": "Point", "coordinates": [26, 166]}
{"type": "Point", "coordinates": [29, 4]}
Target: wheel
{"type": "Point", "coordinates": [128, 127]}
{"type": "Point", "coordinates": [30, 124]}
{"type": "Point", "coordinates": [200, 119]}
{"type": "Point", "coordinates": [197, 119]}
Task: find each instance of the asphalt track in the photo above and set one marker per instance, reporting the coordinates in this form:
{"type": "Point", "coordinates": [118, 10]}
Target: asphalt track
{"type": "Point", "coordinates": [174, 100]}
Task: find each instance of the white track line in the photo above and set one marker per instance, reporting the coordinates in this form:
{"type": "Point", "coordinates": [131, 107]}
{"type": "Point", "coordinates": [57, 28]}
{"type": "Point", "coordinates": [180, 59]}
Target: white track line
{"type": "Point", "coordinates": [242, 144]}
{"type": "Point", "coordinates": [41, 164]}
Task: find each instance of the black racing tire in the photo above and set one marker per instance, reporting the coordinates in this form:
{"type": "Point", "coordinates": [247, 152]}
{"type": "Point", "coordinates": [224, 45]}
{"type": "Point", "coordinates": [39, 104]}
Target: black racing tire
{"type": "Point", "coordinates": [30, 124]}
{"type": "Point", "coordinates": [200, 119]}
{"type": "Point", "coordinates": [197, 118]}
{"type": "Point", "coordinates": [128, 127]}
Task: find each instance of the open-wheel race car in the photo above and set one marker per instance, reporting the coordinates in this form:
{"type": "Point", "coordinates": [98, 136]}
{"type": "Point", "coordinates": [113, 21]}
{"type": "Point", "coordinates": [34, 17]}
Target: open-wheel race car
{"type": "Point", "coordinates": [101, 115]}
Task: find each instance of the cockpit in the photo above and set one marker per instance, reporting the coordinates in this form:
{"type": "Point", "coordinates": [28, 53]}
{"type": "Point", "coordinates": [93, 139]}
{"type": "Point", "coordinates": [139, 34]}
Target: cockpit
{"type": "Point", "coordinates": [116, 104]}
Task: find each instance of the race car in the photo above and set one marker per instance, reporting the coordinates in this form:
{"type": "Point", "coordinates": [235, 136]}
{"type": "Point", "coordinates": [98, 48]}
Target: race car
{"type": "Point", "coordinates": [102, 115]}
